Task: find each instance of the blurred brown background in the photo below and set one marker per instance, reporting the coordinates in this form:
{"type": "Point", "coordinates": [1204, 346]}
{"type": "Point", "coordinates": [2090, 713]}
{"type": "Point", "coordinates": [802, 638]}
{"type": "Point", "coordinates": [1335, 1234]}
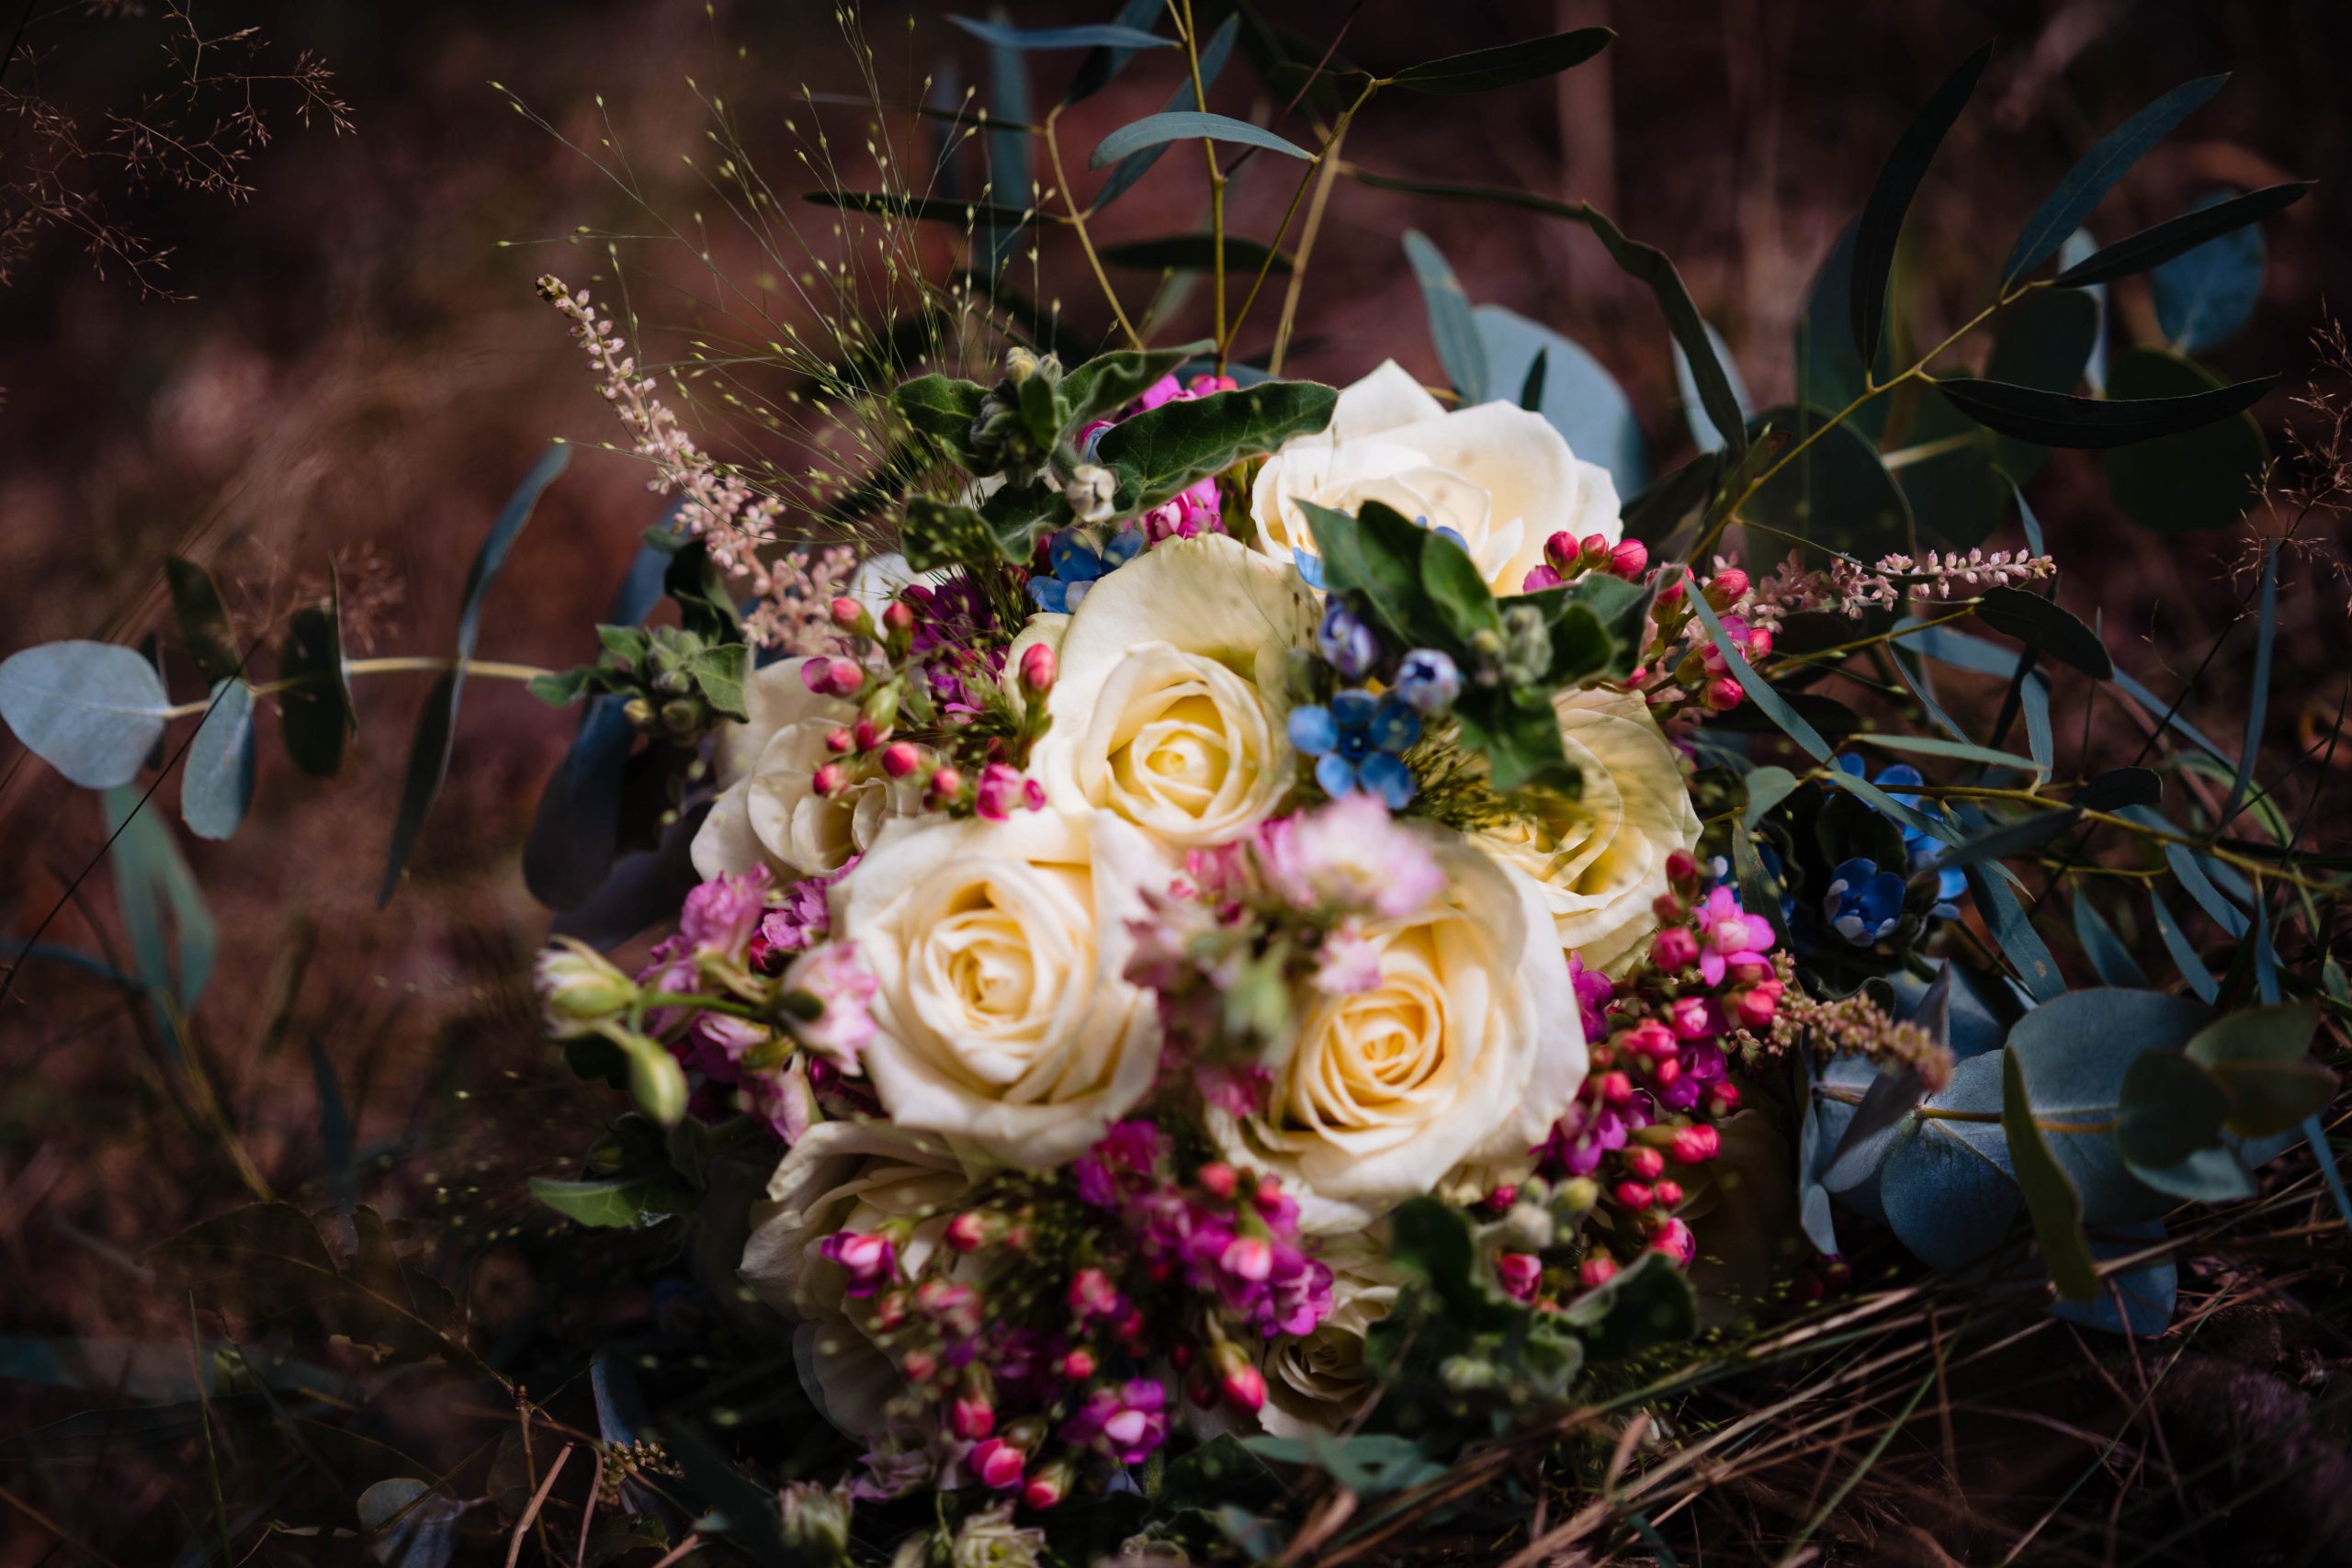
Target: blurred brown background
{"type": "Point", "coordinates": [360, 372]}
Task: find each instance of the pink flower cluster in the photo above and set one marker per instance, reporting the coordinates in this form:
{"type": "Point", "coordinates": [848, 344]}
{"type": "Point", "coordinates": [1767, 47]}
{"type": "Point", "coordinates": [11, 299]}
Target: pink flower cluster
{"type": "Point", "coordinates": [1197, 510]}
{"type": "Point", "coordinates": [1660, 1078]}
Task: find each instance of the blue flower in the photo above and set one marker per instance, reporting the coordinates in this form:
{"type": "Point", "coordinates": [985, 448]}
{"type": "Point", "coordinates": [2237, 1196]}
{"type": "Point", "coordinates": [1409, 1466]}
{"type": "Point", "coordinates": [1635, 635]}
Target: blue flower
{"type": "Point", "coordinates": [1357, 741]}
{"type": "Point", "coordinates": [1920, 848]}
{"type": "Point", "coordinates": [1862, 903]}
{"type": "Point", "coordinates": [1077, 563]}
{"type": "Point", "coordinates": [1428, 682]}
{"type": "Point", "coordinates": [1347, 644]}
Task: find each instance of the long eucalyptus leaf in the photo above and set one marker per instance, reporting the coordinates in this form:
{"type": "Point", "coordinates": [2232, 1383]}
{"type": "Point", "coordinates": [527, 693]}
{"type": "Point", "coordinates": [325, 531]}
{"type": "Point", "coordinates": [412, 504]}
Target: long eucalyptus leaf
{"type": "Point", "coordinates": [2063, 211]}
{"type": "Point", "coordinates": [1898, 182]}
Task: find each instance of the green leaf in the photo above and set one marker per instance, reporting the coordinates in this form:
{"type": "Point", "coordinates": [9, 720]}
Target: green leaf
{"type": "Point", "coordinates": [1092, 35]}
{"type": "Point", "coordinates": [2013, 934]}
{"type": "Point", "coordinates": [218, 782]}
{"type": "Point", "coordinates": [1703, 432]}
{"type": "Point", "coordinates": [1009, 178]}
{"type": "Point", "coordinates": [492, 557]}
{"type": "Point", "coordinates": [1195, 252]}
{"type": "Point", "coordinates": [1377, 555]}
{"type": "Point", "coordinates": [1521, 745]}
{"type": "Point", "coordinates": [2207, 477]}
{"type": "Point", "coordinates": [1881, 224]}
{"type": "Point", "coordinates": [1759, 691]}
{"type": "Point", "coordinates": [2042, 623]}
{"type": "Point", "coordinates": [2109, 956]}
{"type": "Point", "coordinates": [1135, 166]}
{"type": "Point", "coordinates": [204, 619]}
{"type": "Point", "coordinates": [1657, 511]}
{"type": "Point", "coordinates": [1837, 494]}
{"type": "Point", "coordinates": [2205, 295]}
{"type": "Point", "coordinates": [2056, 419]}
{"type": "Point", "coordinates": [150, 877]}
{"type": "Point", "coordinates": [965, 215]}
{"type": "Point", "coordinates": [2177, 236]}
{"type": "Point", "coordinates": [2258, 693]}
{"type": "Point", "coordinates": [617, 1202]}
{"type": "Point", "coordinates": [941, 408]}
{"type": "Point", "coordinates": [1158, 454]}
{"type": "Point", "coordinates": [1109, 382]}
{"type": "Point", "coordinates": [91, 710]}
{"type": "Point", "coordinates": [721, 673]}
{"type": "Point", "coordinates": [938, 534]}
{"type": "Point", "coordinates": [1934, 746]}
{"type": "Point", "coordinates": [1829, 375]}
{"type": "Point", "coordinates": [1181, 125]}
{"type": "Point", "coordinates": [1504, 65]}
{"type": "Point", "coordinates": [2098, 172]}
{"type": "Point", "coordinates": [1459, 347]}
{"type": "Point", "coordinates": [1460, 594]}
{"type": "Point", "coordinates": [1767, 787]}
{"type": "Point", "coordinates": [2260, 1057]}
{"type": "Point", "coordinates": [2056, 1208]}
{"type": "Point", "coordinates": [315, 714]}
{"type": "Point", "coordinates": [2168, 1110]}
{"type": "Point", "coordinates": [2045, 343]}
{"type": "Point", "coordinates": [2182, 951]}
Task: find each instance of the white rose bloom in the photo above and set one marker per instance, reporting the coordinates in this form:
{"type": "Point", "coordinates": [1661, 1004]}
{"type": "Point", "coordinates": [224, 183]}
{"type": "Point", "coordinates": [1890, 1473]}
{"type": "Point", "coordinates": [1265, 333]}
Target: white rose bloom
{"type": "Point", "coordinates": [846, 1176]}
{"type": "Point", "coordinates": [1496, 474]}
{"type": "Point", "coordinates": [770, 813]}
{"type": "Point", "coordinates": [1602, 858]}
{"type": "Point", "coordinates": [1468, 1049]}
{"type": "Point", "coordinates": [998, 952]}
{"type": "Point", "coordinates": [1317, 1381]}
{"type": "Point", "coordinates": [1167, 708]}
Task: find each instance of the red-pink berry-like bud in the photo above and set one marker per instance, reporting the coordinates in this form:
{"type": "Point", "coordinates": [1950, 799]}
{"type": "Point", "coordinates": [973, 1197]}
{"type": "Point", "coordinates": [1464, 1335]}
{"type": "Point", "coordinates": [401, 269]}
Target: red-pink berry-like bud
{"type": "Point", "coordinates": [919, 1365]}
{"type": "Point", "coordinates": [1722, 1099]}
{"type": "Point", "coordinates": [1593, 549]}
{"type": "Point", "coordinates": [1696, 1144]}
{"type": "Point", "coordinates": [1250, 1257]}
{"type": "Point", "coordinates": [1561, 550]}
{"type": "Point", "coordinates": [1078, 1366]}
{"type": "Point", "coordinates": [946, 783]}
{"type": "Point", "coordinates": [1674, 1238]}
{"type": "Point", "coordinates": [1669, 910]}
{"type": "Point", "coordinates": [897, 617]}
{"type": "Point", "coordinates": [1629, 559]}
{"type": "Point", "coordinates": [1723, 695]}
{"type": "Point", "coordinates": [1664, 1070]}
{"type": "Point", "coordinates": [1502, 1198]}
{"type": "Point", "coordinates": [840, 740]}
{"type": "Point", "coordinates": [867, 734]}
{"type": "Point", "coordinates": [1675, 948]}
{"type": "Point", "coordinates": [1520, 1273]}
{"type": "Point", "coordinates": [1538, 579]}
{"type": "Point", "coordinates": [848, 614]}
{"type": "Point", "coordinates": [1645, 1162]}
{"type": "Point", "coordinates": [1668, 1193]}
{"type": "Point", "coordinates": [1670, 595]}
{"type": "Point", "coordinates": [1245, 1388]}
{"type": "Point", "coordinates": [1596, 1270]}
{"type": "Point", "coordinates": [998, 1464]}
{"type": "Point", "coordinates": [1634, 1194]}
{"type": "Point", "coordinates": [968, 1231]}
{"type": "Point", "coordinates": [1691, 1017]}
{"type": "Point", "coordinates": [1033, 795]}
{"type": "Point", "coordinates": [1726, 587]}
{"type": "Point", "coordinates": [1048, 1487]}
{"type": "Point", "coordinates": [1616, 1089]}
{"type": "Point", "coordinates": [1682, 871]}
{"type": "Point", "coordinates": [1759, 642]}
{"type": "Point", "coordinates": [843, 676]}
{"type": "Point", "coordinates": [998, 792]}
{"type": "Point", "coordinates": [1038, 667]}
{"type": "Point", "coordinates": [1758, 1008]}
{"type": "Point", "coordinates": [899, 759]}
{"type": "Point", "coordinates": [1219, 1179]}
{"type": "Point", "coordinates": [971, 1417]}
{"type": "Point", "coordinates": [827, 780]}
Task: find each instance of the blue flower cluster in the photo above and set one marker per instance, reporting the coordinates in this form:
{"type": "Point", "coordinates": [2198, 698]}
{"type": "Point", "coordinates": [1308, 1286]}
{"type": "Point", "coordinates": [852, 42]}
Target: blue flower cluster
{"type": "Point", "coordinates": [1078, 564]}
{"type": "Point", "coordinates": [1358, 742]}
{"type": "Point", "coordinates": [1864, 903]}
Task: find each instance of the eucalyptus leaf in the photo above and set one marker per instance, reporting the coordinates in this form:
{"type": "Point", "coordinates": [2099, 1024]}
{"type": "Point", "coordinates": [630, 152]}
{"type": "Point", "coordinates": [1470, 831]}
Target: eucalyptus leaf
{"type": "Point", "coordinates": [2259, 1056]}
{"type": "Point", "coordinates": [1460, 348]}
{"type": "Point", "coordinates": [2205, 294]}
{"type": "Point", "coordinates": [316, 717]}
{"type": "Point", "coordinates": [1702, 428]}
{"type": "Point", "coordinates": [1184, 125]}
{"type": "Point", "coordinates": [1881, 225]}
{"type": "Point", "coordinates": [1575, 393]}
{"type": "Point", "coordinates": [1946, 1185]}
{"type": "Point", "coordinates": [1504, 65]}
{"type": "Point", "coordinates": [2138, 1301]}
{"type": "Point", "coordinates": [2106, 950]}
{"type": "Point", "coordinates": [1835, 495]}
{"type": "Point", "coordinates": [2177, 236]}
{"type": "Point", "coordinates": [2049, 1197]}
{"type": "Point", "coordinates": [2168, 1108]}
{"type": "Point", "coordinates": [1106, 60]}
{"type": "Point", "coordinates": [1089, 34]}
{"type": "Point", "coordinates": [2063, 212]}
{"type": "Point", "coordinates": [2042, 624]}
{"type": "Point", "coordinates": [2057, 419]}
{"type": "Point", "coordinates": [152, 886]}
{"type": "Point", "coordinates": [218, 784]}
{"type": "Point", "coordinates": [204, 619]}
{"type": "Point", "coordinates": [2205, 477]}
{"type": "Point", "coordinates": [1135, 166]}
{"type": "Point", "coordinates": [91, 710]}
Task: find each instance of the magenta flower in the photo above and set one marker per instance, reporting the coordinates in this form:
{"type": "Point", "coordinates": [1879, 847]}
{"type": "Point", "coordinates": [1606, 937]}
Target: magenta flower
{"type": "Point", "coordinates": [870, 1261]}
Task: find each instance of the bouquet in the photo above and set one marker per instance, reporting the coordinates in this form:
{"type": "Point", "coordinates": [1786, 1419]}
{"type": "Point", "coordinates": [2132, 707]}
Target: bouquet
{"type": "Point", "coordinates": [1237, 960]}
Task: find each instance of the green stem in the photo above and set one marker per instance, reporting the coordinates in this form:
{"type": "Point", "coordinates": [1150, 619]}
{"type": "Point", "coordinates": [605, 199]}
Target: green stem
{"type": "Point", "coordinates": [489, 668]}
{"type": "Point", "coordinates": [1216, 184]}
{"type": "Point", "coordinates": [1078, 222]}
{"type": "Point", "coordinates": [1325, 178]}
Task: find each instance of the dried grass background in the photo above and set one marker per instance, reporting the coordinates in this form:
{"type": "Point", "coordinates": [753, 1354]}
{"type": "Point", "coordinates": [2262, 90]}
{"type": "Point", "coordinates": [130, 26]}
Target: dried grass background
{"type": "Point", "coordinates": [361, 373]}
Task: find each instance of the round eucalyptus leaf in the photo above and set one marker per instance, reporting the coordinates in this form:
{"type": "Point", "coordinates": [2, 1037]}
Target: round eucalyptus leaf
{"type": "Point", "coordinates": [91, 710]}
{"type": "Point", "coordinates": [2205, 477]}
{"type": "Point", "coordinates": [2073, 1053]}
{"type": "Point", "coordinates": [1579, 398]}
{"type": "Point", "coordinates": [1946, 1185]}
{"type": "Point", "coordinates": [1834, 495]}
{"type": "Point", "coordinates": [2204, 295]}
{"type": "Point", "coordinates": [2169, 1108]}
{"type": "Point", "coordinates": [2139, 1302]}
{"type": "Point", "coordinates": [218, 782]}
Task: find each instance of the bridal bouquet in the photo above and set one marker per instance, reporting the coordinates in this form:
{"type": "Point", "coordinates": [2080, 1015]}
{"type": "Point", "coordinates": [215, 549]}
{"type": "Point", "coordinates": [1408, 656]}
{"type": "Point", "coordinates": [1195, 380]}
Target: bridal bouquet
{"type": "Point", "coordinates": [1235, 923]}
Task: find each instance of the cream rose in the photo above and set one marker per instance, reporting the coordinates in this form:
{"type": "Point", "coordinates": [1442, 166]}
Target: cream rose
{"type": "Point", "coordinates": [998, 950]}
{"type": "Point", "coordinates": [770, 813]}
{"type": "Point", "coordinates": [1602, 859]}
{"type": "Point", "coordinates": [1317, 1381]}
{"type": "Point", "coordinates": [1168, 708]}
{"type": "Point", "coordinates": [1466, 1049]}
{"type": "Point", "coordinates": [846, 1176]}
{"type": "Point", "coordinates": [1498, 475]}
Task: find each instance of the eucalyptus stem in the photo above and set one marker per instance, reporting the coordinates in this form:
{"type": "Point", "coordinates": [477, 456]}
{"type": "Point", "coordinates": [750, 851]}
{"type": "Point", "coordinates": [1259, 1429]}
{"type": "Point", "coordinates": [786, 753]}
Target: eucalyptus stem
{"type": "Point", "coordinates": [1325, 178]}
{"type": "Point", "coordinates": [1216, 183]}
{"type": "Point", "coordinates": [489, 668]}
{"type": "Point", "coordinates": [1077, 223]}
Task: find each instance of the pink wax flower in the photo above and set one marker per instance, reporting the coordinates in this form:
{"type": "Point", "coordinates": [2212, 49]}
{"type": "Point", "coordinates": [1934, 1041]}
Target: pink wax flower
{"type": "Point", "coordinates": [719, 916]}
{"type": "Point", "coordinates": [836, 978]}
{"type": "Point", "coordinates": [1520, 1272]}
{"type": "Point", "coordinates": [1350, 855]}
{"type": "Point", "coordinates": [1128, 1421]}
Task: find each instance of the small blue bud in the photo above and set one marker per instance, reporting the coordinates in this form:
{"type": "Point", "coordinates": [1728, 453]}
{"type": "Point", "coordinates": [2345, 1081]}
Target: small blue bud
{"type": "Point", "coordinates": [1074, 559]}
{"type": "Point", "coordinates": [1313, 730]}
{"type": "Point", "coordinates": [1337, 775]}
{"type": "Point", "coordinates": [1050, 594]}
{"type": "Point", "coordinates": [1124, 546]}
{"type": "Point", "coordinates": [1394, 727]}
{"type": "Point", "coordinates": [1347, 644]}
{"type": "Point", "coordinates": [1428, 682]}
{"type": "Point", "coordinates": [1385, 776]}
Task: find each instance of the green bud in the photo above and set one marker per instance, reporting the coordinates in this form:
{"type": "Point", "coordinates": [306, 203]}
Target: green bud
{"type": "Point", "coordinates": [681, 715]}
{"type": "Point", "coordinates": [579, 989]}
{"type": "Point", "coordinates": [673, 683]}
{"type": "Point", "coordinates": [816, 1521]}
{"type": "Point", "coordinates": [1466, 1374]}
{"type": "Point", "coordinates": [655, 1079]}
{"type": "Point", "coordinates": [640, 714]}
{"type": "Point", "coordinates": [1578, 1194]}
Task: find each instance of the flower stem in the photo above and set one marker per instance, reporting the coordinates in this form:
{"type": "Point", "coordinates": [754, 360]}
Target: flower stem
{"type": "Point", "coordinates": [1077, 223]}
{"type": "Point", "coordinates": [1324, 179]}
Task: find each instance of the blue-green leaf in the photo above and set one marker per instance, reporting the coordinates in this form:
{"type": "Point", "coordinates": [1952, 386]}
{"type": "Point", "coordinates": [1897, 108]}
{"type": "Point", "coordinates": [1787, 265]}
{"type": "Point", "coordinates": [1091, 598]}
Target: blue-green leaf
{"type": "Point", "coordinates": [492, 558]}
{"type": "Point", "coordinates": [1459, 347]}
{"type": "Point", "coordinates": [2098, 172]}
{"type": "Point", "coordinates": [2146, 1295]}
{"type": "Point", "coordinates": [1946, 1185]}
{"type": "Point", "coordinates": [2188, 869]}
{"type": "Point", "coordinates": [204, 619]}
{"type": "Point", "coordinates": [2258, 695]}
{"type": "Point", "coordinates": [2209, 219]}
{"type": "Point", "coordinates": [1009, 182]}
{"type": "Point", "coordinates": [2049, 1197]}
{"type": "Point", "coordinates": [2013, 932]}
{"type": "Point", "coordinates": [2184, 954]}
{"type": "Point", "coordinates": [1694, 410]}
{"type": "Point", "coordinates": [1577, 397]}
{"type": "Point", "coordinates": [1934, 746]}
{"type": "Point", "coordinates": [1504, 64]}
{"type": "Point", "coordinates": [219, 783]}
{"type": "Point", "coordinates": [1093, 34]}
{"type": "Point", "coordinates": [1898, 181]}
{"type": "Point", "coordinates": [1094, 73]}
{"type": "Point", "coordinates": [2057, 419]}
{"type": "Point", "coordinates": [316, 717]}
{"type": "Point", "coordinates": [150, 878]}
{"type": "Point", "coordinates": [2205, 295]}
{"type": "Point", "coordinates": [1135, 166]}
{"type": "Point", "coordinates": [2109, 956]}
{"type": "Point", "coordinates": [91, 710]}
{"type": "Point", "coordinates": [1182, 125]}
